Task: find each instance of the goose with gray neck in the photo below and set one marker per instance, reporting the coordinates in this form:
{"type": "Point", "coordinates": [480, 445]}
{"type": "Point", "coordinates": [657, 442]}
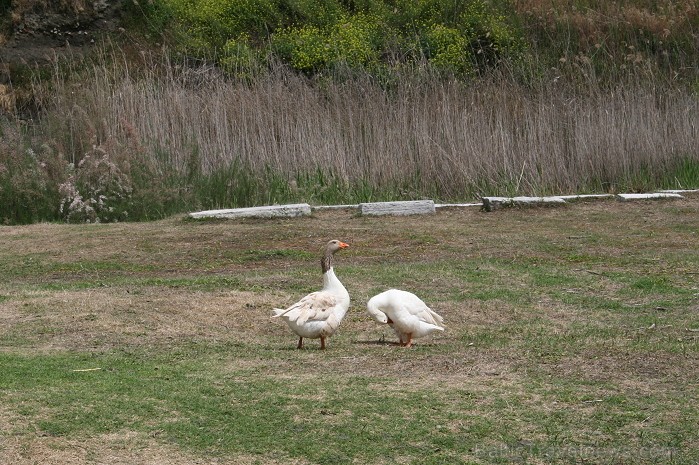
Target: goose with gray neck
{"type": "Point", "coordinates": [319, 314]}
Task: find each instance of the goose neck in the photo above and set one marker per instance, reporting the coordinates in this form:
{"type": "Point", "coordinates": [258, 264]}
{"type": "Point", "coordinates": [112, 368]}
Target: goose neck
{"type": "Point", "coordinates": [326, 263]}
{"type": "Point", "coordinates": [332, 283]}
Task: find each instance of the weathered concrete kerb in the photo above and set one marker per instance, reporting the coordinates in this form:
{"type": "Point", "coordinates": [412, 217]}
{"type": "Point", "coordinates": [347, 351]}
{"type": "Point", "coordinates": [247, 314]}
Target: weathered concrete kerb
{"type": "Point", "coordinates": [425, 207]}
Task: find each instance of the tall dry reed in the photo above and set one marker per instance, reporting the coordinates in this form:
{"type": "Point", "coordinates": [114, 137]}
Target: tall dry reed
{"type": "Point", "coordinates": [427, 137]}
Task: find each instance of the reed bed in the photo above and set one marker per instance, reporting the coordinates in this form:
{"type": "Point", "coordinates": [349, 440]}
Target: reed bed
{"type": "Point", "coordinates": [202, 140]}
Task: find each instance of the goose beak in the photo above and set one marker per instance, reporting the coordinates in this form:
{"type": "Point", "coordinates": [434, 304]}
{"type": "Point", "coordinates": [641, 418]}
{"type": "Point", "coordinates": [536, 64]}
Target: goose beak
{"type": "Point", "coordinates": [343, 245]}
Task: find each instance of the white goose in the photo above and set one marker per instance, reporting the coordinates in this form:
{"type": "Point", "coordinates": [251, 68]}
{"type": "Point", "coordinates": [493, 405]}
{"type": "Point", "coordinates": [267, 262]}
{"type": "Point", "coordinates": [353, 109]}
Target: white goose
{"type": "Point", "coordinates": [319, 313]}
{"type": "Point", "coordinates": [409, 316]}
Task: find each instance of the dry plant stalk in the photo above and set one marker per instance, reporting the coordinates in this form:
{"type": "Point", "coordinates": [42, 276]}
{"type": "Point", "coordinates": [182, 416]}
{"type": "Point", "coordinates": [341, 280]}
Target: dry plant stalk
{"type": "Point", "coordinates": [447, 138]}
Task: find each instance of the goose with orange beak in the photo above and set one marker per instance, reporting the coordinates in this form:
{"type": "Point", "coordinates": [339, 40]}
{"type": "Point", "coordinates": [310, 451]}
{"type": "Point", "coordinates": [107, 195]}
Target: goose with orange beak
{"type": "Point", "coordinates": [319, 314]}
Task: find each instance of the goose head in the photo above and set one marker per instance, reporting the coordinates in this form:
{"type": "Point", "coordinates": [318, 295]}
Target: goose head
{"type": "Point", "coordinates": [373, 309]}
{"type": "Point", "coordinates": [378, 316]}
{"type": "Point", "coordinates": [333, 246]}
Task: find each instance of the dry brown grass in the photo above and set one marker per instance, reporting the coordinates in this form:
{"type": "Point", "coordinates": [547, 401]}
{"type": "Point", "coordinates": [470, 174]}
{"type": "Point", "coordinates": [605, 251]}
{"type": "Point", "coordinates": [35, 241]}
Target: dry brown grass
{"type": "Point", "coordinates": [7, 97]}
{"type": "Point", "coordinates": [122, 310]}
{"type": "Point", "coordinates": [660, 17]}
{"type": "Point", "coordinates": [125, 448]}
{"type": "Point", "coordinates": [110, 318]}
{"type": "Point", "coordinates": [130, 311]}
{"type": "Point", "coordinates": [447, 138]}
{"type": "Point", "coordinates": [596, 38]}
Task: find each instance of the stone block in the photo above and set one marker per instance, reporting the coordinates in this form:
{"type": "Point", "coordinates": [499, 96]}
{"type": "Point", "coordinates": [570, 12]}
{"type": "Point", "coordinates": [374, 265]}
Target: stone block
{"type": "Point", "coordinates": [413, 207]}
{"type": "Point", "coordinates": [271, 211]}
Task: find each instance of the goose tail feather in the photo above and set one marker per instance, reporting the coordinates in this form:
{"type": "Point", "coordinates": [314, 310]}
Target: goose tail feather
{"type": "Point", "coordinates": [277, 312]}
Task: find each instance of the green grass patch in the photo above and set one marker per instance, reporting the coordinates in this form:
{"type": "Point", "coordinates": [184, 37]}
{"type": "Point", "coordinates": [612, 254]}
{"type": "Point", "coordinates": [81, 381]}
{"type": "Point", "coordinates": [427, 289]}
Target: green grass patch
{"type": "Point", "coordinates": [189, 400]}
{"type": "Point", "coordinates": [544, 359]}
{"type": "Point", "coordinates": [198, 406]}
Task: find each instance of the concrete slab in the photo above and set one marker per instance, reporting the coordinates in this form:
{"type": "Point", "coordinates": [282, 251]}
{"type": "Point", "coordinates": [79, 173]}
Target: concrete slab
{"type": "Point", "coordinates": [413, 207]}
{"type": "Point", "coordinates": [271, 211]}
{"type": "Point", "coordinates": [495, 203]}
{"type": "Point", "coordinates": [653, 196]}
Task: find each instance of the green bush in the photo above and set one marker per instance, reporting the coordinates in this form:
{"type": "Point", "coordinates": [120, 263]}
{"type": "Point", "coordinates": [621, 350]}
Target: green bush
{"type": "Point", "coordinates": [491, 36]}
{"type": "Point", "coordinates": [356, 40]}
{"type": "Point", "coordinates": [304, 48]}
{"type": "Point", "coordinates": [319, 13]}
{"type": "Point", "coordinates": [239, 58]}
{"type": "Point", "coordinates": [447, 49]}
{"type": "Point", "coordinates": [352, 41]}
{"type": "Point", "coordinates": [153, 17]}
{"type": "Point", "coordinates": [207, 25]}
{"type": "Point", "coordinates": [314, 35]}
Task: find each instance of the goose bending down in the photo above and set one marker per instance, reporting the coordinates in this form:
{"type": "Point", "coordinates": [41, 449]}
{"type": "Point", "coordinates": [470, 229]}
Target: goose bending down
{"type": "Point", "coordinates": [409, 316]}
{"type": "Point", "coordinates": [319, 313]}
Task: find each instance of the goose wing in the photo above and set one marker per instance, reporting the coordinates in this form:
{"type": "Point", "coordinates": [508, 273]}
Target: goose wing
{"type": "Point", "coordinates": [424, 313]}
{"type": "Point", "coordinates": [430, 316]}
{"type": "Point", "coordinates": [316, 306]}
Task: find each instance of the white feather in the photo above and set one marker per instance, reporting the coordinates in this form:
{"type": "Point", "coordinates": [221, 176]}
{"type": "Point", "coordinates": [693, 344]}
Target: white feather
{"type": "Point", "coordinates": [406, 313]}
{"type": "Point", "coordinates": [318, 314]}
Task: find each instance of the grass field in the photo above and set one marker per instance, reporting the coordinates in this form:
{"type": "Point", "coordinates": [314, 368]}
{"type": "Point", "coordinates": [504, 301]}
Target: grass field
{"type": "Point", "coordinates": [572, 337]}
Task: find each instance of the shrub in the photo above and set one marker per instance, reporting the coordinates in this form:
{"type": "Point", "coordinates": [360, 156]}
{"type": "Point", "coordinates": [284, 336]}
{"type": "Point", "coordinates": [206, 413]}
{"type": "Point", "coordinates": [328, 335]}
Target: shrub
{"type": "Point", "coordinates": [27, 184]}
{"type": "Point", "coordinates": [239, 58]}
{"type": "Point", "coordinates": [319, 13]}
{"type": "Point", "coordinates": [313, 35]}
{"type": "Point", "coordinates": [153, 17]}
{"type": "Point", "coordinates": [447, 49]}
{"type": "Point", "coordinates": [96, 190]}
{"type": "Point", "coordinates": [207, 25]}
{"type": "Point", "coordinates": [352, 41]}
{"type": "Point", "coordinates": [491, 37]}
{"type": "Point", "coordinates": [355, 40]}
{"type": "Point", "coordinates": [304, 48]}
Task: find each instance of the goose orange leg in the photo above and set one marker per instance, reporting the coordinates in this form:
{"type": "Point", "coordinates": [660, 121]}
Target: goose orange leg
{"type": "Point", "coordinates": [409, 342]}
{"type": "Point", "coordinates": [300, 346]}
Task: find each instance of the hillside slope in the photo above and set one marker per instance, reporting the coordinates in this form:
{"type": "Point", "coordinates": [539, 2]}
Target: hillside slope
{"type": "Point", "coordinates": [31, 33]}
